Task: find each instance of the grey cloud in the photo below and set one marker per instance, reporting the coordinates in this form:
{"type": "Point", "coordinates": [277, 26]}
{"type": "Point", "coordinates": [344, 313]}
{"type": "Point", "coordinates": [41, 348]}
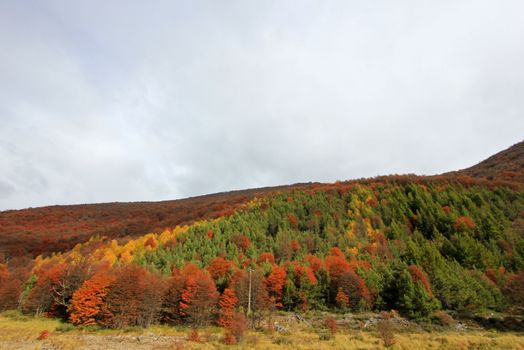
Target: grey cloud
{"type": "Point", "coordinates": [105, 101]}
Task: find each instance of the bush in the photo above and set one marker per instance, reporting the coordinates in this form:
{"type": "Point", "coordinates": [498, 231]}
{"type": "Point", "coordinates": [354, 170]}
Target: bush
{"type": "Point", "coordinates": [331, 325]}
{"type": "Point", "coordinates": [386, 332]}
{"type": "Point", "coordinates": [43, 335]}
{"type": "Point", "coordinates": [443, 318]}
{"type": "Point", "coordinates": [193, 336]}
{"type": "Point", "coordinates": [237, 327]}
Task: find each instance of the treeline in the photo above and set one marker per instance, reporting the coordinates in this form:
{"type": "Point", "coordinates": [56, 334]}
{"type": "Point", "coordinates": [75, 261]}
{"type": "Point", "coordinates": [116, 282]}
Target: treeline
{"type": "Point", "coordinates": [416, 248]}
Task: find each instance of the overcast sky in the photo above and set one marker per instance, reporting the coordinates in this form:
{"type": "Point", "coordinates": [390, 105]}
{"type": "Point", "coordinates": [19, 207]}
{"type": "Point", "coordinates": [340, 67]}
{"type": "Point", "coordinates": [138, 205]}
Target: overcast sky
{"type": "Point", "coordinates": [151, 100]}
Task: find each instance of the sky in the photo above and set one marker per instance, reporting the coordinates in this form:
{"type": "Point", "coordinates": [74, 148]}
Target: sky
{"type": "Point", "coordinates": [104, 101]}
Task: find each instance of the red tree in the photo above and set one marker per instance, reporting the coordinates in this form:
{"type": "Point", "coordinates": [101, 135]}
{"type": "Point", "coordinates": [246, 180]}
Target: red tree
{"type": "Point", "coordinates": [266, 257]}
{"type": "Point", "coordinates": [198, 298]}
{"type": "Point", "coordinates": [89, 299]}
{"type": "Point", "coordinates": [227, 303]}
{"type": "Point", "coordinates": [418, 275]}
{"type": "Point", "coordinates": [275, 284]}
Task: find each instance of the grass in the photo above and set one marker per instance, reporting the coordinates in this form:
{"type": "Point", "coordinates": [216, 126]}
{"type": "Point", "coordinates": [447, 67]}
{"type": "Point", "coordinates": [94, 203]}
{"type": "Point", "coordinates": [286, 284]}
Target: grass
{"type": "Point", "coordinates": [21, 332]}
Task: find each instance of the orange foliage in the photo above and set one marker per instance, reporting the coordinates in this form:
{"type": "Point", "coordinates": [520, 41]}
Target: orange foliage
{"type": "Point", "coordinates": [418, 275]}
{"type": "Point", "coordinates": [266, 257]}
{"type": "Point", "coordinates": [227, 303]}
{"type": "Point", "coordinates": [314, 262]}
{"type": "Point", "coordinates": [275, 284]}
{"type": "Point", "coordinates": [295, 246]}
{"type": "Point", "coordinates": [336, 266]}
{"type": "Point", "coordinates": [464, 222]}
{"type": "Point", "coordinates": [342, 299]}
{"type": "Point", "coordinates": [88, 300]}
{"type": "Point", "coordinates": [198, 298]}
{"type": "Point", "coordinates": [219, 267]}
{"type": "Point", "coordinates": [293, 220]}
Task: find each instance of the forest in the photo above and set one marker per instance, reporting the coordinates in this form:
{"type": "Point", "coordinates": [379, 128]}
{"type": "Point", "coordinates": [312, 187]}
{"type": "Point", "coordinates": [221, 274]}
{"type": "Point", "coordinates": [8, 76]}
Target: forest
{"type": "Point", "coordinates": [425, 248]}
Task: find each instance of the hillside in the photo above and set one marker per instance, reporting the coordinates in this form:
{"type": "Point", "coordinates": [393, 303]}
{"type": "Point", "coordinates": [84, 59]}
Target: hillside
{"type": "Point", "coordinates": [44, 230]}
{"type": "Point", "coordinates": [415, 248]}
{"type": "Point", "coordinates": [34, 231]}
{"type": "Point", "coordinates": [507, 165]}
{"type": "Point", "coordinates": [429, 247]}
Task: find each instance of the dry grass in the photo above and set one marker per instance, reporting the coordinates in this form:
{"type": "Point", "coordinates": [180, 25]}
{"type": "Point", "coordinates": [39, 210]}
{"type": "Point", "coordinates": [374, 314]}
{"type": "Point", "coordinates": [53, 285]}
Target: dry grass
{"type": "Point", "coordinates": [18, 332]}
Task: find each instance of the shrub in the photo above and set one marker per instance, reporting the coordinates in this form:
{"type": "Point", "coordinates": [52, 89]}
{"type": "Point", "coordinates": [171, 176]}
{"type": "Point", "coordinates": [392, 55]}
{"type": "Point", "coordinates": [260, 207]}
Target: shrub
{"type": "Point", "coordinates": [229, 339]}
{"type": "Point", "coordinates": [238, 326]}
{"type": "Point", "coordinates": [386, 332]}
{"type": "Point", "coordinates": [193, 336]}
{"type": "Point", "coordinates": [331, 325]}
{"type": "Point", "coordinates": [443, 318]}
{"type": "Point", "coordinates": [43, 335]}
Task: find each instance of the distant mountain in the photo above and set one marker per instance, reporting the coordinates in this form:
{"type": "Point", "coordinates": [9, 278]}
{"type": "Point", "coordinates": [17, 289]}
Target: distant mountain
{"type": "Point", "coordinates": [507, 165]}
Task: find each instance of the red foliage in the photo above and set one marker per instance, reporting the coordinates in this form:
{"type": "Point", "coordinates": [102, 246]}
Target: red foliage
{"type": "Point", "coordinates": [266, 257]}
{"type": "Point", "coordinates": [275, 284]}
{"type": "Point", "coordinates": [342, 299]}
{"type": "Point", "coordinates": [336, 266]}
{"type": "Point", "coordinates": [295, 246]}
{"type": "Point", "coordinates": [219, 267]}
{"type": "Point", "coordinates": [293, 220]}
{"type": "Point", "coordinates": [198, 298]}
{"type": "Point", "coordinates": [355, 288]}
{"type": "Point", "coordinates": [89, 299]}
{"type": "Point", "coordinates": [464, 223]}
{"type": "Point", "coordinates": [331, 324]}
{"type": "Point", "coordinates": [236, 329]}
{"type": "Point", "coordinates": [43, 335]}
{"type": "Point", "coordinates": [10, 288]}
{"type": "Point", "coordinates": [241, 241]}
{"type": "Point", "coordinates": [227, 303]}
{"type": "Point", "coordinates": [515, 289]}
{"type": "Point", "coordinates": [193, 336]}
{"type": "Point", "coordinates": [335, 251]}
{"type": "Point", "coordinates": [314, 262]}
{"type": "Point", "coordinates": [419, 276]}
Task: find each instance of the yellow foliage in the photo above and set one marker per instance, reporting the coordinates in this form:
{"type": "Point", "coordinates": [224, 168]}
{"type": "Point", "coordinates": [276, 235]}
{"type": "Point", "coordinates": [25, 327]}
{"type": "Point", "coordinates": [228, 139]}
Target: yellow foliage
{"type": "Point", "coordinates": [126, 257]}
{"type": "Point", "coordinates": [353, 251]}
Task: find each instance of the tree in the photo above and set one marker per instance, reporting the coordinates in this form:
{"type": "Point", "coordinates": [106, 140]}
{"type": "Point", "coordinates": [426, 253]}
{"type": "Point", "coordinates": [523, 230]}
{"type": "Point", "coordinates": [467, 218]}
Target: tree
{"type": "Point", "coordinates": [275, 284]}
{"type": "Point", "coordinates": [227, 303]}
{"type": "Point", "coordinates": [414, 300]}
{"type": "Point", "coordinates": [515, 289]}
{"type": "Point", "coordinates": [355, 288]}
{"type": "Point", "coordinates": [198, 299]}
{"type": "Point", "coordinates": [89, 300]}
{"type": "Point", "coordinates": [255, 303]}
{"type": "Point", "coordinates": [133, 299]}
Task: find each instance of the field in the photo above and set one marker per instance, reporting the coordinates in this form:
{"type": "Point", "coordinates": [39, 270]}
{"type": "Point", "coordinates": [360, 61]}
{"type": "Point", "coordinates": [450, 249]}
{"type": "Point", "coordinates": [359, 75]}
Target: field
{"type": "Point", "coordinates": [22, 332]}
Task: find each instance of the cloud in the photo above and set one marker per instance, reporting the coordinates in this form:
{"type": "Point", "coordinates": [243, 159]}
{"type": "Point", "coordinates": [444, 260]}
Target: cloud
{"type": "Point", "coordinates": [121, 101]}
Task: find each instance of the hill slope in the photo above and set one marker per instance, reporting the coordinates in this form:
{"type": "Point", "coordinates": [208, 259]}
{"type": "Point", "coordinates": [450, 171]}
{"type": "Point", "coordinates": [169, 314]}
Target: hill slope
{"type": "Point", "coordinates": [507, 165]}
{"type": "Point", "coordinates": [58, 228]}
{"type": "Point", "coordinates": [419, 245]}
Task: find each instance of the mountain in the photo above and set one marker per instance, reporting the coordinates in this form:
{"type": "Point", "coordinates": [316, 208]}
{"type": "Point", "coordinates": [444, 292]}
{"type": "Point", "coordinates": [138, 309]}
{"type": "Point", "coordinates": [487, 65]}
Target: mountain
{"type": "Point", "coordinates": [425, 246]}
{"type": "Point", "coordinates": [34, 231]}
